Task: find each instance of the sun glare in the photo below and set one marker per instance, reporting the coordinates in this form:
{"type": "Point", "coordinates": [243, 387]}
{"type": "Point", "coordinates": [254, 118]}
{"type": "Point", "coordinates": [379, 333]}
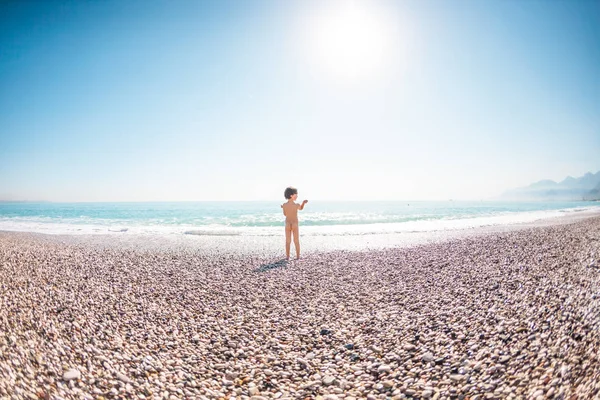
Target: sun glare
{"type": "Point", "coordinates": [351, 40]}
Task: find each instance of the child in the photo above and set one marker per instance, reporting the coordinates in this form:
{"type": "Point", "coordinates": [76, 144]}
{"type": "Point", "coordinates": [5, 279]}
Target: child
{"type": "Point", "coordinates": [290, 210]}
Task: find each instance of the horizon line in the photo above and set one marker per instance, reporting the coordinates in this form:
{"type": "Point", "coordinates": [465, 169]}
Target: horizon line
{"type": "Point", "coordinates": [274, 201]}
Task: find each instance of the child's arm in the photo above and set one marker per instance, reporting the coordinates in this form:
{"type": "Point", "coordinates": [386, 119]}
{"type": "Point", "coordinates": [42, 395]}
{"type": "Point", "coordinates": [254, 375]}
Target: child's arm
{"type": "Point", "coordinates": [302, 205]}
{"type": "Point", "coordinates": [283, 208]}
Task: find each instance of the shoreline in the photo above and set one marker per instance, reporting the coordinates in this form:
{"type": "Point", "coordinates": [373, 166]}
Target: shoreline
{"type": "Point", "coordinates": [504, 314]}
{"type": "Point", "coordinates": [310, 244]}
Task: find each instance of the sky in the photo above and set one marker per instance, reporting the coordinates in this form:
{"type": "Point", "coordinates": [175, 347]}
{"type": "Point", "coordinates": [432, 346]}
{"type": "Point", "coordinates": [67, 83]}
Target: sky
{"type": "Point", "coordinates": [346, 100]}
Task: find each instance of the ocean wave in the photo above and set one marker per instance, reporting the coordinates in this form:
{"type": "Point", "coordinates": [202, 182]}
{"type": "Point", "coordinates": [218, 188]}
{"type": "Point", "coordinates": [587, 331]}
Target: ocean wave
{"type": "Point", "coordinates": [321, 223]}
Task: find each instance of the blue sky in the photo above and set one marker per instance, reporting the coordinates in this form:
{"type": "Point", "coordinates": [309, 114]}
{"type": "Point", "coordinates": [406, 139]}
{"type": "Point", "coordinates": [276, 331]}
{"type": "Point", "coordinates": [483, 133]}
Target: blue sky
{"type": "Point", "coordinates": [235, 100]}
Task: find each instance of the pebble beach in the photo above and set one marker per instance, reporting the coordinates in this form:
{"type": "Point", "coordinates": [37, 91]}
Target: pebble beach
{"type": "Point", "coordinates": [502, 315]}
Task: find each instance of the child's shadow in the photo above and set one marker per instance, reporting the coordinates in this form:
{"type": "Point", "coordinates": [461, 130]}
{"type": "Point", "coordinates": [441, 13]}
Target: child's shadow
{"type": "Point", "coordinates": [277, 264]}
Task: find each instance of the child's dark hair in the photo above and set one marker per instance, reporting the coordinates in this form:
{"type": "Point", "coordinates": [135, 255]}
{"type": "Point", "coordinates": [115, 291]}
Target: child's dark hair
{"type": "Point", "coordinates": [289, 192]}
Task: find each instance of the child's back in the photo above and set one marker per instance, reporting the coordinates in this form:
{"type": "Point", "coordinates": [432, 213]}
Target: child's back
{"type": "Point", "coordinates": [290, 209]}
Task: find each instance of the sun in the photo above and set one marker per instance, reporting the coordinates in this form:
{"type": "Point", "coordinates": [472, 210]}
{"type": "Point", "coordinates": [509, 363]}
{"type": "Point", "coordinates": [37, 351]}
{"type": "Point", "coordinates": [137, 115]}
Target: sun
{"type": "Point", "coordinates": [350, 40]}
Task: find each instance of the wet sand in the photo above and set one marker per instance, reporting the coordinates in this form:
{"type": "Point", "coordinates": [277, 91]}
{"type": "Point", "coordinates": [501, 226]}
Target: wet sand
{"type": "Point", "coordinates": [492, 314]}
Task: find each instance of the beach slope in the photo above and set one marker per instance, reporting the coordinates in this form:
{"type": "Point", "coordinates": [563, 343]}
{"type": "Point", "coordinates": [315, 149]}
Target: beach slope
{"type": "Point", "coordinates": [512, 314]}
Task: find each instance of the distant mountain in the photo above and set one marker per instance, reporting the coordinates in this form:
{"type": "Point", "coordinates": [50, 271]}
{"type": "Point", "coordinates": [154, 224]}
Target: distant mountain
{"type": "Point", "coordinates": [595, 193]}
{"type": "Point", "coordinates": [586, 187]}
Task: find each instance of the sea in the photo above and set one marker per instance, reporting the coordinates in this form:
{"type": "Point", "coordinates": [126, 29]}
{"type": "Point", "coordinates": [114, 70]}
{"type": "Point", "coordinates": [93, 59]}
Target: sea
{"type": "Point", "coordinates": [263, 218]}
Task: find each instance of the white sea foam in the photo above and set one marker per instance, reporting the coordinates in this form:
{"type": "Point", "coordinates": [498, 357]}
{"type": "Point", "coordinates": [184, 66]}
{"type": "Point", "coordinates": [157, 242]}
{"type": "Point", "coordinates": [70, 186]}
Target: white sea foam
{"type": "Point", "coordinates": [91, 226]}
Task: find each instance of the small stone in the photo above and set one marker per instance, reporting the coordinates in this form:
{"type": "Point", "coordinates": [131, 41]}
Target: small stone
{"type": "Point", "coordinates": [410, 347]}
{"type": "Point", "coordinates": [232, 376]}
{"type": "Point", "coordinates": [72, 374]}
{"type": "Point", "coordinates": [427, 394]}
{"type": "Point", "coordinates": [302, 362]}
{"type": "Point", "coordinates": [428, 357]}
{"type": "Point", "coordinates": [328, 380]}
{"type": "Point", "coordinates": [384, 369]}
{"type": "Point", "coordinates": [123, 378]}
{"type": "Point", "coordinates": [349, 346]}
{"type": "Point", "coordinates": [312, 384]}
{"type": "Point", "coordinates": [388, 384]}
{"type": "Point", "coordinates": [539, 392]}
{"type": "Point", "coordinates": [325, 332]}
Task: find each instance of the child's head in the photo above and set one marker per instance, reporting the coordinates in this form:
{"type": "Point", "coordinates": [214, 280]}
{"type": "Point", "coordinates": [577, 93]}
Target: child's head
{"type": "Point", "coordinates": [290, 191]}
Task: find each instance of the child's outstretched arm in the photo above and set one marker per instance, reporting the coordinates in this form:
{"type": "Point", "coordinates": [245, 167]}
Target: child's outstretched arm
{"type": "Point", "coordinates": [302, 205]}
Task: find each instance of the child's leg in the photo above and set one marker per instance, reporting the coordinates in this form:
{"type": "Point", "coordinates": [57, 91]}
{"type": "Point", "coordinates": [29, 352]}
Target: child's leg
{"type": "Point", "coordinates": [297, 240]}
{"type": "Point", "coordinates": [288, 239]}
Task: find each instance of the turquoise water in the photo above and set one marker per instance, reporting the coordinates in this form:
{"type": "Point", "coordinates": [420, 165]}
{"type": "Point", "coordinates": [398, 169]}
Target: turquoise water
{"type": "Point", "coordinates": [220, 218]}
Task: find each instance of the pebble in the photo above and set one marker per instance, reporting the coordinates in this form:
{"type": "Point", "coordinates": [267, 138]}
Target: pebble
{"type": "Point", "coordinates": [384, 369]}
{"type": "Point", "coordinates": [501, 315]}
{"type": "Point", "coordinates": [328, 380]}
{"type": "Point", "coordinates": [71, 375]}
{"type": "Point", "coordinates": [538, 393]}
{"type": "Point", "coordinates": [302, 362]}
{"type": "Point", "coordinates": [123, 378]}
